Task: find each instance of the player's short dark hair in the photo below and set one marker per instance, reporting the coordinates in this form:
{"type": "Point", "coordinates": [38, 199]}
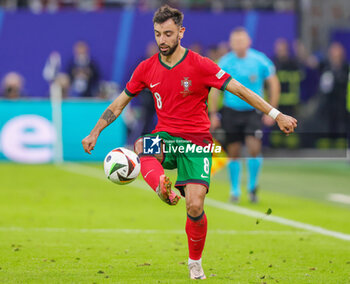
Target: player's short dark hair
{"type": "Point", "coordinates": [165, 13]}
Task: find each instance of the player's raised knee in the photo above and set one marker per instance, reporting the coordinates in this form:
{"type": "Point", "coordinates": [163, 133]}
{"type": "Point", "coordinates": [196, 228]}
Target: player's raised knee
{"type": "Point", "coordinates": [139, 150]}
{"type": "Point", "coordinates": [138, 146]}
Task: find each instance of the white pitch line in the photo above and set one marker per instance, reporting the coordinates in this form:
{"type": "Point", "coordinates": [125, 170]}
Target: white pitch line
{"type": "Point", "coordinates": [143, 231]}
{"type": "Point", "coordinates": [338, 197]}
{"type": "Point", "coordinates": [276, 219]}
{"type": "Point", "coordinates": [93, 172]}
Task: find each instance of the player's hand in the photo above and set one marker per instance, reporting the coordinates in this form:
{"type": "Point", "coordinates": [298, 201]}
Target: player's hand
{"type": "Point", "coordinates": [286, 123]}
{"type": "Point", "coordinates": [214, 121]}
{"type": "Point", "coordinates": [89, 143]}
{"type": "Point", "coordinates": [267, 120]}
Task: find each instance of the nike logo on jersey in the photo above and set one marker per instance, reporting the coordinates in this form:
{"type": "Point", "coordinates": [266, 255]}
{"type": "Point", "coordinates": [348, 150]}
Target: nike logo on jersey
{"type": "Point", "coordinates": [203, 176]}
{"type": "Point", "coordinates": [152, 86]}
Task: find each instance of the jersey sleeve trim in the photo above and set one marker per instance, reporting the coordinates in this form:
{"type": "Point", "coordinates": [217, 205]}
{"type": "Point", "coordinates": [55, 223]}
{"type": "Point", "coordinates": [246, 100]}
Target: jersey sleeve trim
{"type": "Point", "coordinates": [130, 94]}
{"type": "Point", "coordinates": [224, 85]}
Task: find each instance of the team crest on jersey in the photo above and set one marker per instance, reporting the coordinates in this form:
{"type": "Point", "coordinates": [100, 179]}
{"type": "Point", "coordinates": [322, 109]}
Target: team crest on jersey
{"type": "Point", "coordinates": [186, 84]}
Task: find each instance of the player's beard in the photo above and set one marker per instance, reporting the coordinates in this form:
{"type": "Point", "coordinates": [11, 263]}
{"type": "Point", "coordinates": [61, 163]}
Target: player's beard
{"type": "Point", "coordinates": [170, 51]}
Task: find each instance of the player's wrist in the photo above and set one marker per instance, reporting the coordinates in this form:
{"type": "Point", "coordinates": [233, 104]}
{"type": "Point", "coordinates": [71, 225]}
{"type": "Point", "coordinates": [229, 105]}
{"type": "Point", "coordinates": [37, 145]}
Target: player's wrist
{"type": "Point", "coordinates": [95, 133]}
{"type": "Point", "coordinates": [273, 113]}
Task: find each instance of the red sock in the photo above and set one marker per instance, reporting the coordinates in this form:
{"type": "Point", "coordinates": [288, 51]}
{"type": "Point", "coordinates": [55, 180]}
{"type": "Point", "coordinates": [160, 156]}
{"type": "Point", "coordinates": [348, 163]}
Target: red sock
{"type": "Point", "coordinates": [151, 170]}
{"type": "Point", "coordinates": [196, 230]}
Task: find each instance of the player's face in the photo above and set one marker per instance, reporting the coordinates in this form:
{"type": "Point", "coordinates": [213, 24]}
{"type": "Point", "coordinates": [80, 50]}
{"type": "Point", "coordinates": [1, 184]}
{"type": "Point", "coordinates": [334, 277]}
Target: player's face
{"type": "Point", "coordinates": [168, 36]}
{"type": "Point", "coordinates": [240, 42]}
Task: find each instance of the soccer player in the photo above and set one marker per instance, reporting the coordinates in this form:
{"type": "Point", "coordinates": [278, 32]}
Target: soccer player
{"type": "Point", "coordinates": [241, 120]}
{"type": "Point", "coordinates": [179, 80]}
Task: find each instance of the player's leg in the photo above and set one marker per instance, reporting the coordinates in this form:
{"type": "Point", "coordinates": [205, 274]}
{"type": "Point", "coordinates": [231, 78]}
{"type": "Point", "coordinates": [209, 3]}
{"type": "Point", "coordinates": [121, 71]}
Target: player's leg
{"type": "Point", "coordinates": [235, 169]}
{"type": "Point", "coordinates": [193, 182]}
{"type": "Point", "coordinates": [196, 228]}
{"type": "Point", "coordinates": [153, 173]}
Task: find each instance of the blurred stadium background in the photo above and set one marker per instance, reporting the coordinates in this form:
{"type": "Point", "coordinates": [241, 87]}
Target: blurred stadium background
{"type": "Point", "coordinates": [61, 64]}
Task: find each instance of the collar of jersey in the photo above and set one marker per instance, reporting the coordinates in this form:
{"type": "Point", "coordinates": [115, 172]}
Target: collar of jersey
{"type": "Point", "coordinates": [167, 66]}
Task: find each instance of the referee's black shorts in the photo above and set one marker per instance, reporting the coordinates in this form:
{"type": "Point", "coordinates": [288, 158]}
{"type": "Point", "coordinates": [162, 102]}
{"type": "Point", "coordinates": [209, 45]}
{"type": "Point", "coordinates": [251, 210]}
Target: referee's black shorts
{"type": "Point", "coordinates": [239, 124]}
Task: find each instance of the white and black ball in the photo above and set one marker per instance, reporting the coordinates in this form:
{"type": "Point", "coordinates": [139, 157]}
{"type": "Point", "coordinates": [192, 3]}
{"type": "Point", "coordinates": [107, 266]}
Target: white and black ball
{"type": "Point", "coordinates": [122, 166]}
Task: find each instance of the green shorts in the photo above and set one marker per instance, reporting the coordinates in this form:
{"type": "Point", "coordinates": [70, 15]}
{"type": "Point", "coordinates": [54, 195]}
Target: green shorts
{"type": "Point", "coordinates": [193, 162]}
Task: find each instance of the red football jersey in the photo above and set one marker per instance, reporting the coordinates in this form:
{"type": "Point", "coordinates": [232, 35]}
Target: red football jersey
{"type": "Point", "coordinates": [180, 93]}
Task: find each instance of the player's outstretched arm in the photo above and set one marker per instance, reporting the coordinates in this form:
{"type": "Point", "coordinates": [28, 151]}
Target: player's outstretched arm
{"type": "Point", "coordinates": [285, 122]}
{"type": "Point", "coordinates": [274, 90]}
{"type": "Point", "coordinates": [109, 115]}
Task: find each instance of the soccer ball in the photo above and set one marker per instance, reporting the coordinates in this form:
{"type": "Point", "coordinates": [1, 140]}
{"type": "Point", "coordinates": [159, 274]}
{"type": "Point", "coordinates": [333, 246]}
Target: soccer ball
{"type": "Point", "coordinates": [122, 166]}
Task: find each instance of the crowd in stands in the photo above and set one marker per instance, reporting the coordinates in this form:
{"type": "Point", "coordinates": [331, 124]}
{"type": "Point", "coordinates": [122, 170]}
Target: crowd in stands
{"type": "Point", "coordinates": [314, 89]}
{"type": "Point", "coordinates": [12, 86]}
{"type": "Point", "coordinates": [81, 79]}
{"type": "Point", "coordinates": [296, 68]}
{"type": "Point", "coordinates": [38, 6]}
{"type": "Point", "coordinates": [323, 111]}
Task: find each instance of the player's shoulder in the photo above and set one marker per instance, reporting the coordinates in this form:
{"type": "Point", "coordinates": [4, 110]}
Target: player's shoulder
{"type": "Point", "coordinates": [202, 64]}
{"type": "Point", "coordinates": [196, 57]}
{"type": "Point", "coordinates": [149, 61]}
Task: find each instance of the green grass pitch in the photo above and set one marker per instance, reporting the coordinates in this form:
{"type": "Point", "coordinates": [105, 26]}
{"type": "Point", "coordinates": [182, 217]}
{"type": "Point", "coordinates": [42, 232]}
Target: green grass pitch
{"type": "Point", "coordinates": [69, 224]}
